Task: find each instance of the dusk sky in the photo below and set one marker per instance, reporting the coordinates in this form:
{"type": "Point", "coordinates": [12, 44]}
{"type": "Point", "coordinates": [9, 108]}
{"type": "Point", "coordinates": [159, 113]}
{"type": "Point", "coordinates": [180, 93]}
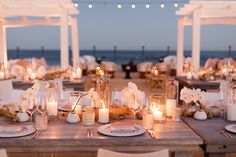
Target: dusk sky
{"type": "Point", "coordinates": [106, 26]}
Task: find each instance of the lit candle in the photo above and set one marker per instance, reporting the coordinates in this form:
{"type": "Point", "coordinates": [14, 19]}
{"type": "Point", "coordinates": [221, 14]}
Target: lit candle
{"type": "Point", "coordinates": [157, 114]}
{"type": "Point", "coordinates": [156, 72]}
{"type": "Point", "coordinates": [33, 76]}
{"type": "Point", "coordinates": [52, 108]}
{"type": "Point", "coordinates": [189, 75]}
{"type": "Point", "coordinates": [101, 72]}
{"type": "Point", "coordinates": [170, 107]}
{"type": "Point", "coordinates": [79, 73]}
{"type": "Point", "coordinates": [77, 109]}
{"type": "Point", "coordinates": [74, 75]}
{"type": "Point", "coordinates": [103, 114]}
{"type": "Point", "coordinates": [231, 110]}
{"type": "Point", "coordinates": [2, 75]}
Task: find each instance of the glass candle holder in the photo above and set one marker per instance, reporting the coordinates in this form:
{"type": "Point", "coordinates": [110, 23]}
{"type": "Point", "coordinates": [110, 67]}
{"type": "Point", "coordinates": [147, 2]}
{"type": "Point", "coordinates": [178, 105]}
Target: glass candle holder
{"type": "Point", "coordinates": [41, 121]}
{"type": "Point", "coordinates": [103, 89]}
{"type": "Point", "coordinates": [172, 90]}
{"type": "Point", "coordinates": [88, 117]}
{"type": "Point", "coordinates": [158, 107]}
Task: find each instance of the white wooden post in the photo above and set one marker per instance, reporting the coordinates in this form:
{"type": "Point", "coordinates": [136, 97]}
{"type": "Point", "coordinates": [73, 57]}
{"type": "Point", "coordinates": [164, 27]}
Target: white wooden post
{"type": "Point", "coordinates": [75, 42]}
{"type": "Point", "coordinates": [3, 45]}
{"type": "Point", "coordinates": [180, 47]}
{"type": "Point", "coordinates": [196, 30]}
{"type": "Point", "coordinates": [64, 40]}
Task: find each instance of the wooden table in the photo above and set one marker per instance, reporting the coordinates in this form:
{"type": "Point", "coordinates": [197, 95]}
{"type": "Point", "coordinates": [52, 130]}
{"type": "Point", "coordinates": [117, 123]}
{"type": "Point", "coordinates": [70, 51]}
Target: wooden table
{"type": "Point", "coordinates": [193, 83]}
{"type": "Point", "coordinates": [76, 85]}
{"type": "Point", "coordinates": [215, 144]}
{"type": "Point", "coordinates": [62, 138]}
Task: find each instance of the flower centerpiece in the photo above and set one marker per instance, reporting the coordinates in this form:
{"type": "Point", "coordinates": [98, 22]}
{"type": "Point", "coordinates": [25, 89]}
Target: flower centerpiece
{"type": "Point", "coordinates": [189, 69]}
{"type": "Point", "coordinates": [95, 103]}
{"type": "Point", "coordinates": [194, 100]}
{"type": "Point", "coordinates": [132, 96]}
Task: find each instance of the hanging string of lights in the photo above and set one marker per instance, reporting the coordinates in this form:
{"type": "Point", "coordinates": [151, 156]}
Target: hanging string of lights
{"type": "Point", "coordinates": [132, 3]}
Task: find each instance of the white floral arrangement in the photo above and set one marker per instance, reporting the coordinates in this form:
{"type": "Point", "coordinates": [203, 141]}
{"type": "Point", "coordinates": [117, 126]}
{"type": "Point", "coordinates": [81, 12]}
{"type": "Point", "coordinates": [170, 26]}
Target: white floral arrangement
{"type": "Point", "coordinates": [193, 95]}
{"type": "Point", "coordinates": [41, 71]}
{"type": "Point", "coordinates": [94, 97]}
{"type": "Point", "coordinates": [131, 93]}
{"type": "Point", "coordinates": [28, 99]}
{"type": "Point", "coordinates": [17, 71]}
{"type": "Point", "coordinates": [188, 64]}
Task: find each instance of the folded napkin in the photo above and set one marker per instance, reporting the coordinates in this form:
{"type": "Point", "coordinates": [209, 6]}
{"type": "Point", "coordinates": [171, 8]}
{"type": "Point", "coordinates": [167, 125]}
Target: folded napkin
{"type": "Point", "coordinates": [10, 129]}
{"type": "Point", "coordinates": [122, 127]}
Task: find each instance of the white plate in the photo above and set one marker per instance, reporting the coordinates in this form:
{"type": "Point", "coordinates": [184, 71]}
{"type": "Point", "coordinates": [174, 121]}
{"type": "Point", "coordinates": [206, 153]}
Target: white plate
{"type": "Point", "coordinates": [105, 130]}
{"type": "Point", "coordinates": [231, 128]}
{"type": "Point", "coordinates": [27, 130]}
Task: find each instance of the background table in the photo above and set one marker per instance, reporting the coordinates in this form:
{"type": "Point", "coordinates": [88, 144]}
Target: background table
{"type": "Point", "coordinates": [76, 85]}
{"type": "Point", "coordinates": [215, 144]}
{"type": "Point", "coordinates": [62, 138]}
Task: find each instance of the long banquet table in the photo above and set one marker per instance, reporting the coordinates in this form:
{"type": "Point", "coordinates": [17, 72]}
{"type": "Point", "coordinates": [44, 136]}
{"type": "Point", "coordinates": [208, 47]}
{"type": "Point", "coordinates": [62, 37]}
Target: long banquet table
{"type": "Point", "coordinates": [61, 139]}
{"type": "Point", "coordinates": [215, 144]}
{"type": "Point", "coordinates": [77, 85]}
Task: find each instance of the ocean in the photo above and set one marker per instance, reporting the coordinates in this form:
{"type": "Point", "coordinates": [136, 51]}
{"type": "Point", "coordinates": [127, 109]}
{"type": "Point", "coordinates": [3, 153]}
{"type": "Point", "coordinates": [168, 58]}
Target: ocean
{"type": "Point", "coordinates": [120, 56]}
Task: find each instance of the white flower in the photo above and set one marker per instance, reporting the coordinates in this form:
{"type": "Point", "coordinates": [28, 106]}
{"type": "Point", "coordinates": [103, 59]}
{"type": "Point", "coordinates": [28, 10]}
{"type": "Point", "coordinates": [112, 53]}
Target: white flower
{"type": "Point", "coordinates": [94, 97]}
{"type": "Point", "coordinates": [131, 93]}
{"type": "Point", "coordinates": [41, 71]}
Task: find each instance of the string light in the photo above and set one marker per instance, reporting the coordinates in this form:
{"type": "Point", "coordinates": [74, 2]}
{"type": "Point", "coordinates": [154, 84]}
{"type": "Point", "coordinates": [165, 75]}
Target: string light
{"type": "Point", "coordinates": [90, 5]}
{"type": "Point", "coordinates": [119, 6]}
{"type": "Point", "coordinates": [133, 6]}
{"type": "Point", "coordinates": [76, 5]}
{"type": "Point", "coordinates": [176, 5]}
{"type": "Point", "coordinates": [147, 6]}
{"type": "Point", "coordinates": [162, 5]}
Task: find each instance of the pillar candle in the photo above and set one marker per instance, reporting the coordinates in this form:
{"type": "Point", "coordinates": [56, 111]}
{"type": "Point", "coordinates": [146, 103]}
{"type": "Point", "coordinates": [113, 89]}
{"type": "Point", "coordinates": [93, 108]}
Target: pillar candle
{"type": "Point", "coordinates": [170, 107]}
{"type": "Point", "coordinates": [103, 114]}
{"type": "Point", "coordinates": [189, 75]}
{"type": "Point", "coordinates": [52, 108]}
{"type": "Point", "coordinates": [2, 75]}
{"type": "Point", "coordinates": [231, 112]}
{"type": "Point", "coordinates": [78, 73]}
{"type": "Point", "coordinates": [157, 114]}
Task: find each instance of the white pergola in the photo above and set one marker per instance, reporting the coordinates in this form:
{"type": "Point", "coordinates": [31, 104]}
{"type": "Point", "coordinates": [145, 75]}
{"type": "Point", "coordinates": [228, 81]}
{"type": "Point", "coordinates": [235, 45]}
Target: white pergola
{"type": "Point", "coordinates": [198, 13]}
{"type": "Point", "coordinates": [24, 13]}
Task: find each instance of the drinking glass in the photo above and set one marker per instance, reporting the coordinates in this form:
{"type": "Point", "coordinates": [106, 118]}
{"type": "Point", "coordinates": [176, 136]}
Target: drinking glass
{"type": "Point", "coordinates": [136, 105]}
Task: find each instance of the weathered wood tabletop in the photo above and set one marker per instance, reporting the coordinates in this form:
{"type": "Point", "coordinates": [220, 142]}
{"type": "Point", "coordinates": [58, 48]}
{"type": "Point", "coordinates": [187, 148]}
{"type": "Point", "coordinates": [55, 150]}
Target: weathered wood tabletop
{"type": "Point", "coordinates": [76, 85]}
{"type": "Point", "coordinates": [214, 141]}
{"type": "Point", "coordinates": [193, 83]}
{"type": "Point", "coordinates": [63, 137]}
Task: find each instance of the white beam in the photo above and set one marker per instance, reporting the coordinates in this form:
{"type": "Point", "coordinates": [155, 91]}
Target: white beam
{"type": "Point", "coordinates": [3, 45]}
{"type": "Point", "coordinates": [180, 47]}
{"type": "Point", "coordinates": [75, 42]}
{"type": "Point", "coordinates": [64, 40]}
{"type": "Point", "coordinates": [196, 30]}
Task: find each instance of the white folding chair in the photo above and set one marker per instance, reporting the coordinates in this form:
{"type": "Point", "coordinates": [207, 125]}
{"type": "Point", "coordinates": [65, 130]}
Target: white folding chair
{"type": "Point", "coordinates": [3, 153]}
{"type": "Point", "coordinates": [106, 153]}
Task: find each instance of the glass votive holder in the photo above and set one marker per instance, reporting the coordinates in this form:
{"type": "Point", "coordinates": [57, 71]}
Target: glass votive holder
{"type": "Point", "coordinates": [41, 121]}
{"type": "Point", "coordinates": [158, 107]}
{"type": "Point", "coordinates": [177, 114]}
{"type": "Point", "coordinates": [147, 119]}
{"type": "Point", "coordinates": [88, 117]}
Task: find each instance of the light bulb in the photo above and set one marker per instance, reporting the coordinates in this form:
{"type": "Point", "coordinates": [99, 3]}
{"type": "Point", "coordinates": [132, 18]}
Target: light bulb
{"type": "Point", "coordinates": [133, 6]}
{"type": "Point", "coordinates": [162, 5]}
{"type": "Point", "coordinates": [76, 5]}
{"type": "Point", "coordinates": [90, 6]}
{"type": "Point", "coordinates": [147, 6]}
{"type": "Point", "coordinates": [176, 5]}
{"type": "Point", "coordinates": [119, 6]}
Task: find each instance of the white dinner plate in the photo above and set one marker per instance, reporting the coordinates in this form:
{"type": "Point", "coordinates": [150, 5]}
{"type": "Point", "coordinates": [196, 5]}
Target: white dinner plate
{"type": "Point", "coordinates": [231, 128]}
{"type": "Point", "coordinates": [27, 130]}
{"type": "Point", "coordinates": [105, 130]}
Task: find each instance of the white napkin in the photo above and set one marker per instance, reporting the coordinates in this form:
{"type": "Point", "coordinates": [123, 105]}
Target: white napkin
{"type": "Point", "coordinates": [11, 129]}
{"type": "Point", "coordinates": [122, 127]}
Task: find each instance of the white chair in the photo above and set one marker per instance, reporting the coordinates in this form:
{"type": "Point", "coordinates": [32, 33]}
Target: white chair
{"type": "Point", "coordinates": [6, 89]}
{"type": "Point", "coordinates": [107, 153]}
{"type": "Point", "coordinates": [3, 153]}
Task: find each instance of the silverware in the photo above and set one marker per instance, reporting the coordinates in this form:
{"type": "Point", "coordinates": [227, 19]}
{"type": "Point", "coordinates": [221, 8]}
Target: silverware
{"type": "Point", "coordinates": [152, 133]}
{"type": "Point", "coordinates": [89, 133]}
{"type": "Point", "coordinates": [36, 134]}
{"type": "Point", "coordinates": [226, 134]}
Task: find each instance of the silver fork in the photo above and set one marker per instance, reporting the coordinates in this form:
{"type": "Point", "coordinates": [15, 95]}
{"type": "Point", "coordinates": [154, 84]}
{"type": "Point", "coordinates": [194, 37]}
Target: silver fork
{"type": "Point", "coordinates": [226, 134]}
